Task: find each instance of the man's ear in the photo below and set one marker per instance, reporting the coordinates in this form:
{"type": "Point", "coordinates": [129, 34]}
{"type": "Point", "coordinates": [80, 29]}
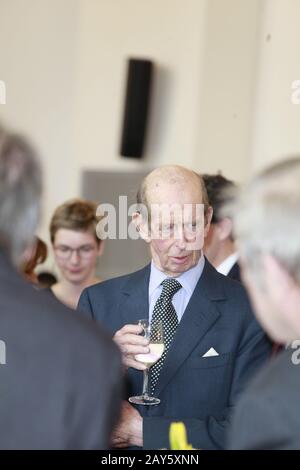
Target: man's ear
{"type": "Point", "coordinates": [275, 274]}
{"type": "Point", "coordinates": [141, 226]}
{"type": "Point", "coordinates": [207, 219]}
{"type": "Point", "coordinates": [285, 292]}
{"type": "Point", "coordinates": [224, 228]}
{"type": "Point", "coordinates": [283, 288]}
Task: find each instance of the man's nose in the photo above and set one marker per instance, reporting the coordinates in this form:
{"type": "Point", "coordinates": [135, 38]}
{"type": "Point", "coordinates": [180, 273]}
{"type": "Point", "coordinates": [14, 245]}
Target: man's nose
{"type": "Point", "coordinates": [184, 237]}
{"type": "Point", "coordinates": [181, 240]}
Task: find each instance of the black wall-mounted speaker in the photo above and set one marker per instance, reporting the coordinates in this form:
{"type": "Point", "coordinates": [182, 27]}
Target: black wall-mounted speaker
{"type": "Point", "coordinates": [137, 98]}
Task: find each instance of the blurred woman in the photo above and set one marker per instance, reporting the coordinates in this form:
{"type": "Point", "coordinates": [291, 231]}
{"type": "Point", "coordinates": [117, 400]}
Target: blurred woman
{"type": "Point", "coordinates": [32, 257]}
{"type": "Point", "coordinates": [76, 248]}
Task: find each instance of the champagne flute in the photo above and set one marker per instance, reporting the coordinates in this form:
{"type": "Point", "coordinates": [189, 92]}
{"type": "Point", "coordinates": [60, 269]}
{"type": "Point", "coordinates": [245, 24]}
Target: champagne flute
{"type": "Point", "coordinates": [153, 332]}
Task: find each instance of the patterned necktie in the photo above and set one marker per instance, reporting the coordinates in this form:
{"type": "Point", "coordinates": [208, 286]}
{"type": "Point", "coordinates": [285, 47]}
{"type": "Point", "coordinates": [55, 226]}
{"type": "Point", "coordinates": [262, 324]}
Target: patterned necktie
{"type": "Point", "coordinates": [164, 311]}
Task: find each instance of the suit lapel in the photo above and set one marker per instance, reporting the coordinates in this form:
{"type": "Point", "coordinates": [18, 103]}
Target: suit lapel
{"type": "Point", "coordinates": [200, 315]}
{"type": "Point", "coordinates": [134, 303]}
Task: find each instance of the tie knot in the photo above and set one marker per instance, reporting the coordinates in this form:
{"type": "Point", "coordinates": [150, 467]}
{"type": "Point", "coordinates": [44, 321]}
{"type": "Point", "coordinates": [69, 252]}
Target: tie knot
{"type": "Point", "coordinates": [170, 287]}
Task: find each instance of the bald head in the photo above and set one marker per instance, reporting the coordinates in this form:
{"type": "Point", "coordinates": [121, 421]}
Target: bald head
{"type": "Point", "coordinates": [170, 217]}
{"type": "Point", "coordinates": [171, 177]}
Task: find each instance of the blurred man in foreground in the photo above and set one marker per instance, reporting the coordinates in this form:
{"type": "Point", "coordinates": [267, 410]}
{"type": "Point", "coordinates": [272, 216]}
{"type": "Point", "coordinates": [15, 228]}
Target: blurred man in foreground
{"type": "Point", "coordinates": [59, 374]}
{"type": "Point", "coordinates": [267, 227]}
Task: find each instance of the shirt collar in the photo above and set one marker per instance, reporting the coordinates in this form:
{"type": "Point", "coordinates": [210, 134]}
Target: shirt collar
{"type": "Point", "coordinates": [188, 279]}
{"type": "Point", "coordinates": [227, 264]}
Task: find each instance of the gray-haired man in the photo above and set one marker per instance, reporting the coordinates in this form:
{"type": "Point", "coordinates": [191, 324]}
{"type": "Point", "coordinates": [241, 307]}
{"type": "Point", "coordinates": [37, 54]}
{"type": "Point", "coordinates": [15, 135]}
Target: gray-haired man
{"type": "Point", "coordinates": [267, 226]}
{"type": "Point", "coordinates": [59, 374]}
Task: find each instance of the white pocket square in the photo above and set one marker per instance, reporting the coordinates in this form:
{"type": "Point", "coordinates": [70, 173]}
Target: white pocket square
{"type": "Point", "coordinates": [210, 353]}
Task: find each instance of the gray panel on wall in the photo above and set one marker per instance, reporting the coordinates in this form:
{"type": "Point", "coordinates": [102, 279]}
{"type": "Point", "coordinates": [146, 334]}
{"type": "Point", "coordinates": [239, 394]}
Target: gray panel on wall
{"type": "Point", "coordinates": [120, 256]}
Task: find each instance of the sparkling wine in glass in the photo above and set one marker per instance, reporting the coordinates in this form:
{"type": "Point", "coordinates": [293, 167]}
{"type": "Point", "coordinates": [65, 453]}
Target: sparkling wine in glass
{"type": "Point", "coordinates": [153, 332]}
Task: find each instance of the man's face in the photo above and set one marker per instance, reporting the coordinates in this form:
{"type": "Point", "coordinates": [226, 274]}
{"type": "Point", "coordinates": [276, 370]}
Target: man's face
{"type": "Point", "coordinates": [177, 228]}
{"type": "Point", "coordinates": [262, 304]}
{"type": "Point", "coordinates": [273, 301]}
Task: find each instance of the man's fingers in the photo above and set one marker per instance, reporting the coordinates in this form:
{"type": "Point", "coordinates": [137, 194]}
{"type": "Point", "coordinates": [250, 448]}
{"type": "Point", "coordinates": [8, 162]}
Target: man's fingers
{"type": "Point", "coordinates": [131, 344]}
{"type": "Point", "coordinates": [134, 329]}
{"type": "Point", "coordinates": [119, 444]}
{"type": "Point", "coordinates": [130, 349]}
{"type": "Point", "coordinates": [118, 441]}
{"type": "Point", "coordinates": [131, 362]}
{"type": "Point", "coordinates": [129, 338]}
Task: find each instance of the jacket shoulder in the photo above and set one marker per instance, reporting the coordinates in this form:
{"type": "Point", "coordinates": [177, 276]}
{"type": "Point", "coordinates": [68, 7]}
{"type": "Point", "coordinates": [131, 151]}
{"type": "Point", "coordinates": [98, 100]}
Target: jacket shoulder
{"type": "Point", "coordinates": [116, 283]}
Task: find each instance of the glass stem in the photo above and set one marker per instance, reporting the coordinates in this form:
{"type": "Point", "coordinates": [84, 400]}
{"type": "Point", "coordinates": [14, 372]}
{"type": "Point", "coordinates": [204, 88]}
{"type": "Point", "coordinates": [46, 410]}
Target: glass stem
{"type": "Point", "coordinates": [146, 383]}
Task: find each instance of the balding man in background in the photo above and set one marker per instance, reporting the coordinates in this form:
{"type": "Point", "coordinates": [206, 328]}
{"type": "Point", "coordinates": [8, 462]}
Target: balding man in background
{"type": "Point", "coordinates": [267, 227]}
{"type": "Point", "coordinates": [216, 343]}
{"type": "Point", "coordinates": [60, 375]}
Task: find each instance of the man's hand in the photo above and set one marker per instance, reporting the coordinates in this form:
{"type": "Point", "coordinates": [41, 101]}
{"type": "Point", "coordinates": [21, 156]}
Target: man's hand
{"type": "Point", "coordinates": [130, 343]}
{"type": "Point", "coordinates": [129, 430]}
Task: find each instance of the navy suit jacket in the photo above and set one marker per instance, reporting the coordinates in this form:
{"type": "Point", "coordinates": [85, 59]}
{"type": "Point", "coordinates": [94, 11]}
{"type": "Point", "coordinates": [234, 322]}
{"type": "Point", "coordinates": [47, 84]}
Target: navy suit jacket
{"type": "Point", "coordinates": [235, 272]}
{"type": "Point", "coordinates": [200, 391]}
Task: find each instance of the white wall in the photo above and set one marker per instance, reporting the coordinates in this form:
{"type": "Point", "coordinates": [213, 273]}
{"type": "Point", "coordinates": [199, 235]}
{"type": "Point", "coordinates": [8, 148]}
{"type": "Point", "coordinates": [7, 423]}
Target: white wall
{"type": "Point", "coordinates": [64, 65]}
{"type": "Point", "coordinates": [38, 50]}
{"type": "Point", "coordinates": [228, 75]}
{"type": "Point", "coordinates": [221, 94]}
{"type": "Point", "coordinates": [276, 130]}
{"type": "Point", "coordinates": [169, 32]}
{"type": "Point", "coordinates": [204, 53]}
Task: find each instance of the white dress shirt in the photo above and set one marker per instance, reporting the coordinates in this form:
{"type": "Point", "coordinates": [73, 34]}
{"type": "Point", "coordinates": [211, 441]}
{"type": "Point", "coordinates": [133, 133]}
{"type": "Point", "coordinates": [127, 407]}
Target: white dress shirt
{"type": "Point", "coordinates": [227, 264]}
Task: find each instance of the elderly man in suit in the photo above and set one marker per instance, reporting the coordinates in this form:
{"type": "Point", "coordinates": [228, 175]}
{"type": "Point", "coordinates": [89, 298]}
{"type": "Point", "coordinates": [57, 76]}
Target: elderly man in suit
{"type": "Point", "coordinates": [60, 375]}
{"type": "Point", "coordinates": [267, 226]}
{"type": "Point", "coordinates": [214, 343]}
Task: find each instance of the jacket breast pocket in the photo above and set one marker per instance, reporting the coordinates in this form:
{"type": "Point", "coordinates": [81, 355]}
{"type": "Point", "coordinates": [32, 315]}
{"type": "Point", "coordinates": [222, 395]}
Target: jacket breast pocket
{"type": "Point", "coordinates": [207, 362]}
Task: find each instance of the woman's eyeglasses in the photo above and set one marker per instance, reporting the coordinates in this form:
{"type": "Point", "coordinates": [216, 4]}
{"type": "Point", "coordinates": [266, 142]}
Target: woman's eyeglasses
{"type": "Point", "coordinates": [65, 252]}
